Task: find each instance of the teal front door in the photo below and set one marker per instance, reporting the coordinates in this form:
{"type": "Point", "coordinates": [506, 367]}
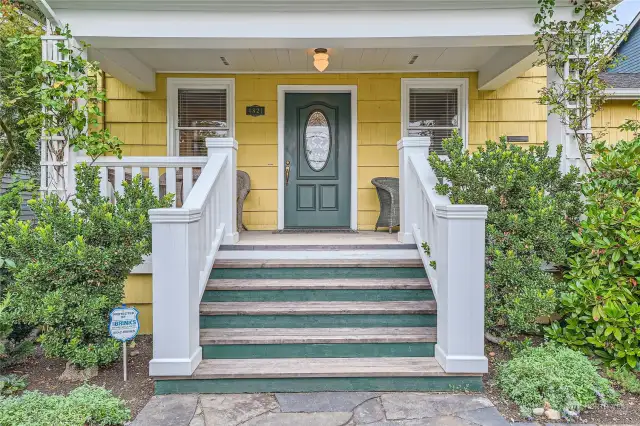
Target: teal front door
{"type": "Point", "coordinates": [317, 156]}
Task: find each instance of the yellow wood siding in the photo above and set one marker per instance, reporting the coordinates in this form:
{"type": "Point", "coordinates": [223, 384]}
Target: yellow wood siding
{"type": "Point", "coordinates": [615, 113]}
{"type": "Point", "coordinates": [139, 119]}
{"type": "Point", "coordinates": [138, 293]}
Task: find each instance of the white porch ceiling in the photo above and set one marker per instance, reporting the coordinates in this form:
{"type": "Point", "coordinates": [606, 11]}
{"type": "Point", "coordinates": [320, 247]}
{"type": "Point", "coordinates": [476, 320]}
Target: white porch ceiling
{"type": "Point", "coordinates": [301, 60]}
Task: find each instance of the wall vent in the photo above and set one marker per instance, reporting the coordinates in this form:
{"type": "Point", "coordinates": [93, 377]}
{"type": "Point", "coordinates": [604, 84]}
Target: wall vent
{"type": "Point", "coordinates": [224, 60]}
{"type": "Point", "coordinates": [413, 59]}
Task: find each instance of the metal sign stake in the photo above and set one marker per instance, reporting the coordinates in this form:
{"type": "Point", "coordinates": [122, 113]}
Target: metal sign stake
{"type": "Point", "coordinates": [124, 357]}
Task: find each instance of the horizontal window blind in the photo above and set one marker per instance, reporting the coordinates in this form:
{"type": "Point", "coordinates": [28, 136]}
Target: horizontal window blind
{"type": "Point", "coordinates": [202, 113]}
{"type": "Point", "coordinates": [433, 113]}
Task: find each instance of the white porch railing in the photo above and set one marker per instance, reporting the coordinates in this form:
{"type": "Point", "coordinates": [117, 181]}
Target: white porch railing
{"type": "Point", "coordinates": [455, 236]}
{"type": "Point", "coordinates": [168, 175]}
{"type": "Point", "coordinates": [185, 244]}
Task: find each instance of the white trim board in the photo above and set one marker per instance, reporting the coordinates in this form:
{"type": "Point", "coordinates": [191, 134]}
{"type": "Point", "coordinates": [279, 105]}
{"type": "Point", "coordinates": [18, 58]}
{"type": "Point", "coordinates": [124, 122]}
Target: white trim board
{"type": "Point", "coordinates": [462, 84]}
{"type": "Point", "coordinates": [174, 84]}
{"type": "Point", "coordinates": [303, 88]}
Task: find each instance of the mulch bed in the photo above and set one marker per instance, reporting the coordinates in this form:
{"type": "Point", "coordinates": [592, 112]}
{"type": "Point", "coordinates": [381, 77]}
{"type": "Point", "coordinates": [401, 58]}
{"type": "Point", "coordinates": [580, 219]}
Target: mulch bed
{"type": "Point", "coordinates": [43, 374]}
{"type": "Point", "coordinates": [628, 412]}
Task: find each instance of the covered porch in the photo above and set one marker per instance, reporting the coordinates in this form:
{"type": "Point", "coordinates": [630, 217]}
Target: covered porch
{"type": "Point", "coordinates": [202, 92]}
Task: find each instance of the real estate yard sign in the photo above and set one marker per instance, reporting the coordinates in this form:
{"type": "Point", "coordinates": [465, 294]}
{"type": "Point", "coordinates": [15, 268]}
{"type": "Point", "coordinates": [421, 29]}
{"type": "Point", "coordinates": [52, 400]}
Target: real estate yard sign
{"type": "Point", "coordinates": [124, 326]}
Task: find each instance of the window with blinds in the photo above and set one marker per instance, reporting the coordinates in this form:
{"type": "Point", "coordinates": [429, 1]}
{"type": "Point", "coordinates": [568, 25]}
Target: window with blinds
{"type": "Point", "coordinates": [434, 113]}
{"type": "Point", "coordinates": [202, 113]}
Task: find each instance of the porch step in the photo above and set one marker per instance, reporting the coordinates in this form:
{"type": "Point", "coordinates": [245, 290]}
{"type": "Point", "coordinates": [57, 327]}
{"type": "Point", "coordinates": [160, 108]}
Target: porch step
{"type": "Point", "coordinates": [252, 343]}
{"type": "Point", "coordinates": [318, 263]}
{"type": "Point", "coordinates": [242, 270]}
{"type": "Point", "coordinates": [318, 374]}
{"type": "Point", "coordinates": [301, 290]}
{"type": "Point", "coordinates": [277, 336]}
{"type": "Point", "coordinates": [319, 308]}
{"type": "Point", "coordinates": [326, 284]}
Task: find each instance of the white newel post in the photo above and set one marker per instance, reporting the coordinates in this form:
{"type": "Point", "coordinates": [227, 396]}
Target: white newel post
{"type": "Point", "coordinates": [409, 190]}
{"type": "Point", "coordinates": [229, 197]}
{"type": "Point", "coordinates": [176, 293]}
{"type": "Point", "coordinates": [460, 270]}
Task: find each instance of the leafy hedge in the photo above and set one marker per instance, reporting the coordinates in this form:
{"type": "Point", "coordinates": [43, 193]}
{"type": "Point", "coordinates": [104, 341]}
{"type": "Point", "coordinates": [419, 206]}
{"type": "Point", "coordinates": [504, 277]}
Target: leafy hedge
{"type": "Point", "coordinates": [532, 210]}
{"type": "Point", "coordinates": [87, 405]}
{"type": "Point", "coordinates": [602, 305]}
{"type": "Point", "coordinates": [71, 264]}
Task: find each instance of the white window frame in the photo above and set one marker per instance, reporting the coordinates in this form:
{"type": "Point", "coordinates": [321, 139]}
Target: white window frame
{"type": "Point", "coordinates": [461, 84]}
{"type": "Point", "coordinates": [175, 84]}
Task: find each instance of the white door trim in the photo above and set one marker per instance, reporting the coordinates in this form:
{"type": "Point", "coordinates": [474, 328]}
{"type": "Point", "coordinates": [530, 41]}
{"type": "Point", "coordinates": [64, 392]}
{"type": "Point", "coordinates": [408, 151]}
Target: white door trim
{"type": "Point", "coordinates": [304, 88]}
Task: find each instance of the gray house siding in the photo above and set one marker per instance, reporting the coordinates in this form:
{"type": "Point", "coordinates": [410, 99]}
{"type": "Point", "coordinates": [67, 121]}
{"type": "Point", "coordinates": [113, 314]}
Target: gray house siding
{"type": "Point", "coordinates": [25, 213]}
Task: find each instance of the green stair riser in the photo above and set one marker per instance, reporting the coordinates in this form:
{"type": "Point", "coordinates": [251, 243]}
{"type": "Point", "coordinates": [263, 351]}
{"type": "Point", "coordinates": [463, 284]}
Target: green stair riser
{"type": "Point", "coordinates": [316, 273]}
{"type": "Point", "coordinates": [316, 321]}
{"type": "Point", "coordinates": [320, 384]}
{"type": "Point", "coordinates": [319, 350]}
{"type": "Point", "coordinates": [316, 295]}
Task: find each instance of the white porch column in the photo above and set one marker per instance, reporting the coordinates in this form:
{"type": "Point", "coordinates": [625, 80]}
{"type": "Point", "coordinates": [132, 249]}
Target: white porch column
{"type": "Point", "coordinates": [408, 146]}
{"type": "Point", "coordinates": [460, 271]}
{"type": "Point", "coordinates": [176, 293]}
{"type": "Point", "coordinates": [229, 198]}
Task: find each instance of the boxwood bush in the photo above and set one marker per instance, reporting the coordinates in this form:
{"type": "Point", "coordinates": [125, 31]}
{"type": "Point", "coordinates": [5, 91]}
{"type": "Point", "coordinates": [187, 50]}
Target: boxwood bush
{"type": "Point", "coordinates": [533, 209]}
{"type": "Point", "coordinates": [602, 305]}
{"type": "Point", "coordinates": [72, 262]}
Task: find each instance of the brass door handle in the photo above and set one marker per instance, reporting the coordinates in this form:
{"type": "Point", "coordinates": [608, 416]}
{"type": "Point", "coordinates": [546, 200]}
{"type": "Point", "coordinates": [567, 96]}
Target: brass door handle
{"type": "Point", "coordinates": [287, 171]}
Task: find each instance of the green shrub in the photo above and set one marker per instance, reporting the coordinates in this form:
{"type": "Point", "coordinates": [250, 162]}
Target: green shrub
{"type": "Point", "coordinates": [626, 379]}
{"type": "Point", "coordinates": [555, 374]}
{"type": "Point", "coordinates": [602, 305]}
{"type": "Point", "coordinates": [86, 405]}
{"type": "Point", "coordinates": [532, 210]}
{"type": "Point", "coordinates": [72, 264]}
{"type": "Point", "coordinates": [13, 347]}
{"type": "Point", "coordinates": [11, 384]}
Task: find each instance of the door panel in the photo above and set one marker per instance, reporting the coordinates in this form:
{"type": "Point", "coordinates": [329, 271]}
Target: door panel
{"type": "Point", "coordinates": [317, 149]}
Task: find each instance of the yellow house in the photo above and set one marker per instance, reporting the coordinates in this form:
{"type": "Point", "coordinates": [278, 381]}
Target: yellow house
{"type": "Point", "coordinates": [314, 101]}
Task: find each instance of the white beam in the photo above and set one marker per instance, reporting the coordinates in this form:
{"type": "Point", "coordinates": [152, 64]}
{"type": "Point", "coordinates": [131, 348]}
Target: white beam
{"type": "Point", "coordinates": [205, 29]}
{"type": "Point", "coordinates": [125, 67]}
{"type": "Point", "coordinates": [509, 63]}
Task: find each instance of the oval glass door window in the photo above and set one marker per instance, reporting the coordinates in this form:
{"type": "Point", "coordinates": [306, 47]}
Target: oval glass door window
{"type": "Point", "coordinates": [317, 140]}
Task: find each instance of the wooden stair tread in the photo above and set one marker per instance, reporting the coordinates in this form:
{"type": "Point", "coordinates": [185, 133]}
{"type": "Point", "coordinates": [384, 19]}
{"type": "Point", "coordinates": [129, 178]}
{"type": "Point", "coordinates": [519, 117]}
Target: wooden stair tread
{"type": "Point", "coordinates": [316, 263]}
{"type": "Point", "coordinates": [328, 284]}
{"type": "Point", "coordinates": [318, 308]}
{"type": "Point", "coordinates": [318, 367]}
{"type": "Point", "coordinates": [266, 336]}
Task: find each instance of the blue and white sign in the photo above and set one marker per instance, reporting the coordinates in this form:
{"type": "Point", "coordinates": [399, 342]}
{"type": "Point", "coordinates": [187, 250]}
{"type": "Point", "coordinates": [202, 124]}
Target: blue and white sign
{"type": "Point", "coordinates": [123, 323]}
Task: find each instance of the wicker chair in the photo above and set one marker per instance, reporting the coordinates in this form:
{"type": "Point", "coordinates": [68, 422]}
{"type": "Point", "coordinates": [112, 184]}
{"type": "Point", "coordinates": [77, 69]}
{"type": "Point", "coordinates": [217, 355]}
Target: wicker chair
{"type": "Point", "coordinates": [389, 195]}
{"type": "Point", "coordinates": [244, 187]}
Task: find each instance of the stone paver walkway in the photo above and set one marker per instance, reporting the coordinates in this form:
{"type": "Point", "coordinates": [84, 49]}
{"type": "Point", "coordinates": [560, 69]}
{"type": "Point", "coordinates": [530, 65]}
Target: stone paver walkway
{"type": "Point", "coordinates": [321, 409]}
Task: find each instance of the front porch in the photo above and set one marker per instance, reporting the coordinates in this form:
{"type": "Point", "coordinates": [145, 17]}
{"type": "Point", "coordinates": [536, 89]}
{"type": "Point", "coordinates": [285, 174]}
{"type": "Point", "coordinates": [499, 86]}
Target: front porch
{"type": "Point", "coordinates": [197, 102]}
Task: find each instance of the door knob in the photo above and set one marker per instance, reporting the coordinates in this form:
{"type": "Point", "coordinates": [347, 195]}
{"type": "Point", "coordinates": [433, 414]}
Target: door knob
{"type": "Point", "coordinates": [287, 170]}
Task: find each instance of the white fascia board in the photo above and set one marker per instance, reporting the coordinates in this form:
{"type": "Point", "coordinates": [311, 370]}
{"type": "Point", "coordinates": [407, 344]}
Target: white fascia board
{"type": "Point", "coordinates": [506, 65]}
{"type": "Point", "coordinates": [103, 28]}
{"type": "Point", "coordinates": [631, 94]}
{"type": "Point", "coordinates": [127, 68]}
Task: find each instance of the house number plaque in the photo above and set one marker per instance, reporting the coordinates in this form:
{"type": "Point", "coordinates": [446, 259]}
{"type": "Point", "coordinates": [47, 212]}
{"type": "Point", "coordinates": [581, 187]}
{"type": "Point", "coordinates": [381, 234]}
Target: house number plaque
{"type": "Point", "coordinates": [255, 110]}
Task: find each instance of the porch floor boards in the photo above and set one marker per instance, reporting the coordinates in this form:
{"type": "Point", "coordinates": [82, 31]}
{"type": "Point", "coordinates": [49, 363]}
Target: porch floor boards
{"type": "Point", "coordinates": [426, 307]}
{"type": "Point", "coordinates": [276, 336]}
{"type": "Point", "coordinates": [328, 284]}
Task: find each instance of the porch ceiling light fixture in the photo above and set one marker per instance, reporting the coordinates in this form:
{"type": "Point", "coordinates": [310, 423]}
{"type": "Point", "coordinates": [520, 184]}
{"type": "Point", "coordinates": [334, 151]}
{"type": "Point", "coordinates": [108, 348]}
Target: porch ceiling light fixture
{"type": "Point", "coordinates": [321, 59]}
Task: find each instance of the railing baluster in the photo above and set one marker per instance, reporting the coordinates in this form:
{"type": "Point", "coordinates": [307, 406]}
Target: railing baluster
{"type": "Point", "coordinates": [135, 171]}
{"type": "Point", "coordinates": [170, 182]}
{"type": "Point", "coordinates": [119, 178]}
{"type": "Point", "coordinates": [154, 177]}
{"type": "Point", "coordinates": [187, 181]}
{"type": "Point", "coordinates": [104, 181]}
